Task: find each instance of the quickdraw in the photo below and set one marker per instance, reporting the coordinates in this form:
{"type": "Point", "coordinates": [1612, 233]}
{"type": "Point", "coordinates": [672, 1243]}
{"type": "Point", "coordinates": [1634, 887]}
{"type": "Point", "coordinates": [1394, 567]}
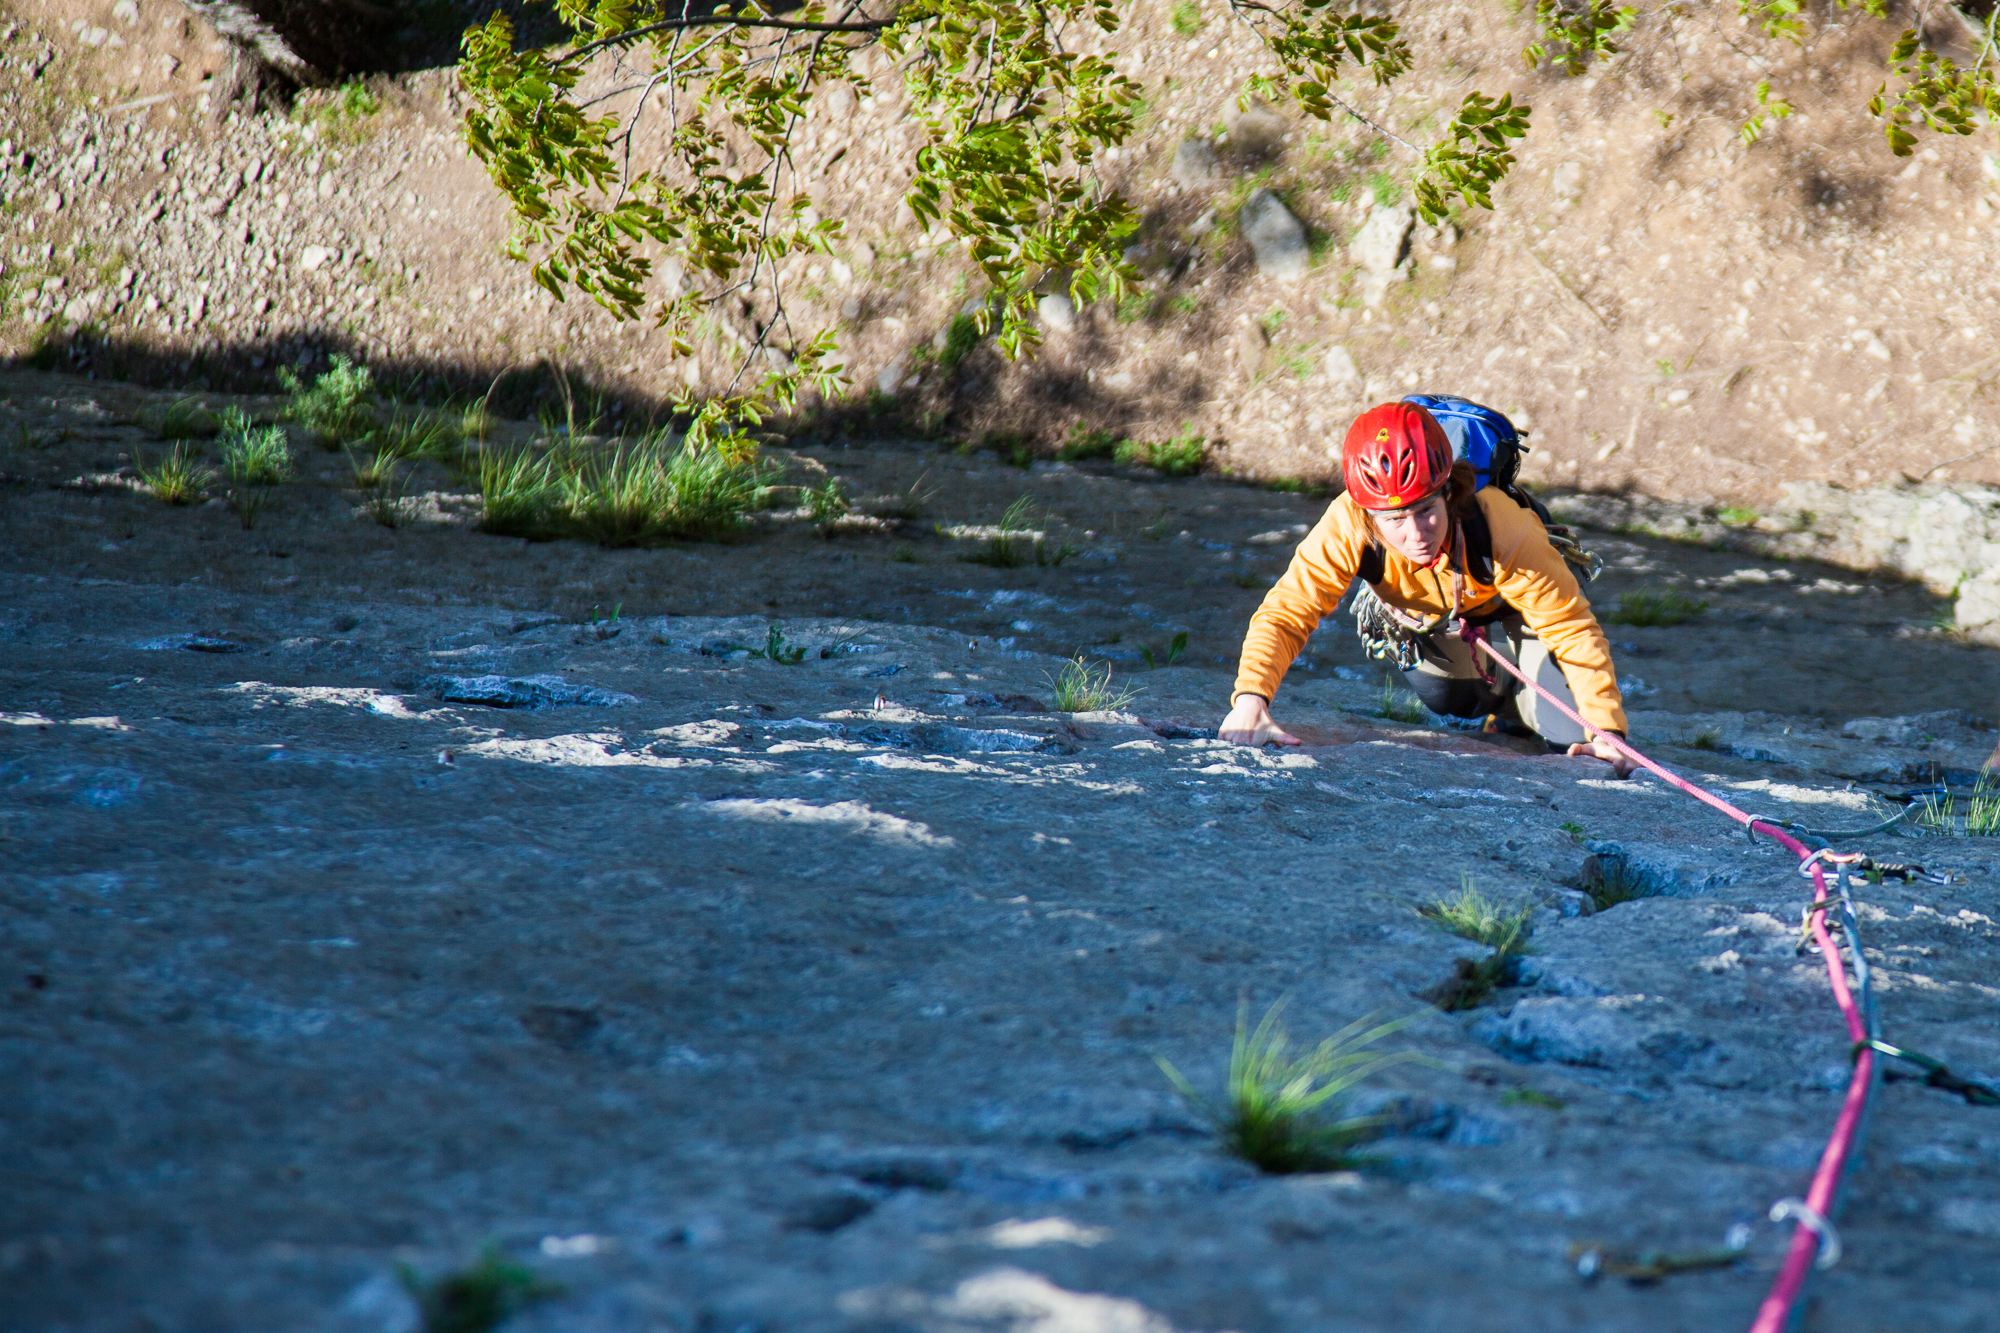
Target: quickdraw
{"type": "Point", "coordinates": [1937, 1073]}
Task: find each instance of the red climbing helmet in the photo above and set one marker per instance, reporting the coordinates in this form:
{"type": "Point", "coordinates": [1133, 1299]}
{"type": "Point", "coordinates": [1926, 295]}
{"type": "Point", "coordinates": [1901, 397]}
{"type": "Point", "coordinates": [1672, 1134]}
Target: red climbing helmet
{"type": "Point", "coordinates": [1395, 455]}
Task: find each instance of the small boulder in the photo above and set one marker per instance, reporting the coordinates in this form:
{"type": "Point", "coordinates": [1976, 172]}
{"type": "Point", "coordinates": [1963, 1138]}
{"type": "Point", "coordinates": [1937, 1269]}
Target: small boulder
{"type": "Point", "coordinates": [316, 257]}
{"type": "Point", "coordinates": [1276, 237]}
{"type": "Point", "coordinates": [1254, 134]}
{"type": "Point", "coordinates": [1381, 249]}
{"type": "Point", "coordinates": [1342, 375]}
{"type": "Point", "coordinates": [1566, 181]}
{"type": "Point", "coordinates": [1056, 312]}
{"type": "Point", "coordinates": [1251, 343]}
{"type": "Point", "coordinates": [890, 377]}
{"type": "Point", "coordinates": [1196, 165]}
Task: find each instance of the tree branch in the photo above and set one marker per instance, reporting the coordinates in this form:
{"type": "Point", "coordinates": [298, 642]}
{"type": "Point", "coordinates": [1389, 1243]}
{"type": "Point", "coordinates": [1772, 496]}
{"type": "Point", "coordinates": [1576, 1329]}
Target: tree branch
{"type": "Point", "coordinates": [733, 20]}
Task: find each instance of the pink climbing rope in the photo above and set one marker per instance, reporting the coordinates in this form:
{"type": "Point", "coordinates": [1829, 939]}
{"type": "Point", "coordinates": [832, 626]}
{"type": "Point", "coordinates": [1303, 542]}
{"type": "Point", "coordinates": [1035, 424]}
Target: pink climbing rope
{"type": "Point", "coordinates": [1776, 1310]}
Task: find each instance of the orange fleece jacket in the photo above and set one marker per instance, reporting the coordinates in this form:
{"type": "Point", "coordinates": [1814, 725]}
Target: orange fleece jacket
{"type": "Point", "coordinates": [1527, 574]}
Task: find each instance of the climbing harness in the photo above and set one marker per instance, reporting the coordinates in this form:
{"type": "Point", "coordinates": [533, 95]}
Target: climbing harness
{"type": "Point", "coordinates": [1391, 634]}
{"type": "Point", "coordinates": [1813, 1237]}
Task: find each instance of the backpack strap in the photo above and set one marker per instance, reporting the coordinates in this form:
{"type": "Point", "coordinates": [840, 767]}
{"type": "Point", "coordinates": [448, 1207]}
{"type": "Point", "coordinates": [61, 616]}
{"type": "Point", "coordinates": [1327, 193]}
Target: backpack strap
{"type": "Point", "coordinates": [1478, 544]}
{"type": "Point", "coordinates": [1372, 570]}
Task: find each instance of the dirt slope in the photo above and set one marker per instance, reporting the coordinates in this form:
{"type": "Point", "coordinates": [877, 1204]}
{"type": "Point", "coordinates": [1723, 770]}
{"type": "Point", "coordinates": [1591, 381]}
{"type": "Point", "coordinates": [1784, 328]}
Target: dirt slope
{"type": "Point", "coordinates": [1669, 309]}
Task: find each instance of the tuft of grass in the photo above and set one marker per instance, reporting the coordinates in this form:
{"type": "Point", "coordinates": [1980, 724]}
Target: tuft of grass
{"type": "Point", "coordinates": [1176, 650]}
{"type": "Point", "coordinates": [1979, 817]}
{"type": "Point", "coordinates": [1662, 609]}
{"type": "Point", "coordinates": [1187, 18]}
{"type": "Point", "coordinates": [476, 423]}
{"type": "Point", "coordinates": [1530, 1097]}
{"type": "Point", "coordinates": [960, 337]}
{"type": "Point", "coordinates": [1248, 578]}
{"type": "Point", "coordinates": [475, 1299]}
{"type": "Point", "coordinates": [1736, 516]}
{"type": "Point", "coordinates": [825, 503]}
{"type": "Point", "coordinates": [420, 434]}
{"type": "Point", "coordinates": [337, 406]}
{"type": "Point", "coordinates": [385, 497]}
{"type": "Point", "coordinates": [1282, 1110]}
{"type": "Point", "coordinates": [1611, 881]}
{"type": "Point", "coordinates": [1471, 915]}
{"type": "Point", "coordinates": [905, 555]}
{"type": "Point", "coordinates": [255, 459]}
{"type": "Point", "coordinates": [910, 505]}
{"type": "Point", "coordinates": [518, 494]}
{"type": "Point", "coordinates": [1081, 688]}
{"type": "Point", "coordinates": [176, 479]}
{"type": "Point", "coordinates": [184, 419]}
{"type": "Point", "coordinates": [341, 115]}
{"type": "Point", "coordinates": [1400, 705]}
{"type": "Point", "coordinates": [1134, 307]}
{"type": "Point", "coordinates": [254, 455]}
{"type": "Point", "coordinates": [1089, 442]}
{"type": "Point", "coordinates": [1575, 830]}
{"type": "Point", "coordinates": [654, 491]}
{"type": "Point", "coordinates": [777, 649]}
{"type": "Point", "coordinates": [1016, 544]}
{"type": "Point", "coordinates": [372, 470]}
{"type": "Point", "coordinates": [1180, 456]}
{"type": "Point", "coordinates": [1708, 738]}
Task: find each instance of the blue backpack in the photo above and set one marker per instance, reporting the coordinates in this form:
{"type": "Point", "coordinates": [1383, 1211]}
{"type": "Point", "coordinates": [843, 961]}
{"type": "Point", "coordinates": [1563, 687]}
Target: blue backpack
{"type": "Point", "coordinates": [1479, 436]}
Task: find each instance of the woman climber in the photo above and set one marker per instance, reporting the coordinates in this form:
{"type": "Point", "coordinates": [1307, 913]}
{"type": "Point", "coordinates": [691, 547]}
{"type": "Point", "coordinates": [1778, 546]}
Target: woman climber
{"type": "Point", "coordinates": [1444, 562]}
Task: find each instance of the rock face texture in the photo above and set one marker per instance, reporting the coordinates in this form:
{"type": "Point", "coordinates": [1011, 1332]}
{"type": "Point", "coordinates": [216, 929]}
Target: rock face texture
{"type": "Point", "coordinates": [735, 993]}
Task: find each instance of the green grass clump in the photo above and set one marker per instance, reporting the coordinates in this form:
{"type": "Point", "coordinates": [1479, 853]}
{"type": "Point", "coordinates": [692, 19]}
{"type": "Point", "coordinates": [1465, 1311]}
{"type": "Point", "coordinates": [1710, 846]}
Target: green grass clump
{"type": "Point", "coordinates": [518, 494]}
{"type": "Point", "coordinates": [825, 503]}
{"type": "Point", "coordinates": [1180, 456]}
{"type": "Point", "coordinates": [1472, 916]}
{"type": "Point", "coordinates": [1668, 607]}
{"type": "Point", "coordinates": [1708, 738]}
{"type": "Point", "coordinates": [372, 470]}
{"type": "Point", "coordinates": [960, 337]}
{"type": "Point", "coordinates": [337, 406]}
{"type": "Point", "coordinates": [433, 435]}
{"type": "Point", "coordinates": [1016, 544]}
{"type": "Point", "coordinates": [1089, 442]}
{"type": "Point", "coordinates": [653, 492]}
{"type": "Point", "coordinates": [254, 455]}
{"type": "Point", "coordinates": [1081, 688]}
{"type": "Point", "coordinates": [177, 479]}
{"type": "Point", "coordinates": [1978, 817]}
{"type": "Point", "coordinates": [184, 419]}
{"type": "Point", "coordinates": [1400, 705]}
{"type": "Point", "coordinates": [1282, 1111]}
{"type": "Point", "coordinates": [475, 1299]}
{"type": "Point", "coordinates": [648, 491]}
{"type": "Point", "coordinates": [1187, 18]}
{"type": "Point", "coordinates": [254, 459]}
{"type": "Point", "coordinates": [1736, 516]}
{"type": "Point", "coordinates": [1530, 1097]}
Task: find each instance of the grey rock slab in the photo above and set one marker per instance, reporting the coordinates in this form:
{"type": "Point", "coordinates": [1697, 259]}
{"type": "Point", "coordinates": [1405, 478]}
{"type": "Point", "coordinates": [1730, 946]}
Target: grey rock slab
{"type": "Point", "coordinates": [539, 691]}
{"type": "Point", "coordinates": [1275, 237]}
{"type": "Point", "coordinates": [383, 1008]}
